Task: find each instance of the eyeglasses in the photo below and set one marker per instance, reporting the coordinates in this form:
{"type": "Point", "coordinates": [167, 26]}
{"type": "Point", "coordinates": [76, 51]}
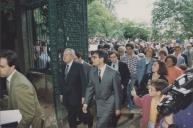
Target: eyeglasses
{"type": "Point", "coordinates": [94, 57]}
{"type": "Point", "coordinates": [113, 57]}
{"type": "Point", "coordinates": [129, 48]}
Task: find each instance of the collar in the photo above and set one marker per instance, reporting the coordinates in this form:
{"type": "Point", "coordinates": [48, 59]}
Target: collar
{"type": "Point", "coordinates": [131, 56]}
{"type": "Point", "coordinates": [10, 76]}
{"type": "Point", "coordinates": [69, 64]}
{"type": "Point", "coordinates": [103, 68]}
{"type": "Point", "coordinates": [115, 63]}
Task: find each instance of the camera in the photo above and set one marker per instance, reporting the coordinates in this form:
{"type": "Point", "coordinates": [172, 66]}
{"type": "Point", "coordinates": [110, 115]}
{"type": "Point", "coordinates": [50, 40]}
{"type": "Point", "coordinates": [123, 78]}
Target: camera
{"type": "Point", "coordinates": [178, 95]}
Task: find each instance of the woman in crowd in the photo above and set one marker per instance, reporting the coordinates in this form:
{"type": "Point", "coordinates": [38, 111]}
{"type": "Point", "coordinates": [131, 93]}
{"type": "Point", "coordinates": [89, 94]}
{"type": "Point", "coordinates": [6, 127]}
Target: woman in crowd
{"type": "Point", "coordinates": [159, 71]}
{"type": "Point", "coordinates": [144, 65]}
{"type": "Point", "coordinates": [173, 71]}
{"type": "Point", "coordinates": [162, 55]}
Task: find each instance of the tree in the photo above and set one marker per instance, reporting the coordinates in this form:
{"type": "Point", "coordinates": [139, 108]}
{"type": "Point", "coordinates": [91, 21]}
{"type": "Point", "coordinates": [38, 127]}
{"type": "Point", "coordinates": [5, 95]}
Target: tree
{"type": "Point", "coordinates": [172, 19]}
{"type": "Point", "coordinates": [90, 1]}
{"type": "Point", "coordinates": [103, 22]}
{"type": "Point", "coordinates": [132, 30]}
{"type": "Point", "coordinates": [100, 19]}
{"type": "Point", "coordinates": [110, 4]}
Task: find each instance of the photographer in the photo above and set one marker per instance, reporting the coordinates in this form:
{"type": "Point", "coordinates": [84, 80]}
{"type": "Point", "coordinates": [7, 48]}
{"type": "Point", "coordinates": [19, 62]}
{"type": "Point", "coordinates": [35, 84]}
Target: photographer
{"type": "Point", "coordinates": [176, 107]}
{"type": "Point", "coordinates": [182, 119]}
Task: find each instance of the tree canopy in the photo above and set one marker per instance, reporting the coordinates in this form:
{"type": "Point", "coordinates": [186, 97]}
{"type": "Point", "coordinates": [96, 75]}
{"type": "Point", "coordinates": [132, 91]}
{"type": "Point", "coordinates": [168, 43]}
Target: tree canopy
{"type": "Point", "coordinates": [172, 19]}
{"type": "Point", "coordinates": [101, 21]}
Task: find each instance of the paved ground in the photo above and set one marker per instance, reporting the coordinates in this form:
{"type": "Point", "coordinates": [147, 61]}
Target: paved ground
{"type": "Point", "coordinates": [125, 120]}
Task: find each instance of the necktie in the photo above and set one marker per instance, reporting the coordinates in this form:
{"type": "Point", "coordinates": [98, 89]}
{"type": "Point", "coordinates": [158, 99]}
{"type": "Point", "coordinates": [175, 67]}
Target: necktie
{"type": "Point", "coordinates": [99, 75]}
{"type": "Point", "coordinates": [66, 71]}
{"type": "Point", "coordinates": [113, 66]}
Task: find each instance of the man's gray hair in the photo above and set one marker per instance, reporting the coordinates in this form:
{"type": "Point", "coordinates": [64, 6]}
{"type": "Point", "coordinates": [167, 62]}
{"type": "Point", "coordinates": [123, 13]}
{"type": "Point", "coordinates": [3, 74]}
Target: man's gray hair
{"type": "Point", "coordinates": [70, 51]}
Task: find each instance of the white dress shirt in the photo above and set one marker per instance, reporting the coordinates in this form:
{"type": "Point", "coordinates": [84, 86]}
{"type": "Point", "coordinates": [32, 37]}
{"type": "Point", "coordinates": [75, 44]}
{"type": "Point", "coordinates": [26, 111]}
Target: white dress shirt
{"type": "Point", "coordinates": [9, 79]}
{"type": "Point", "coordinates": [102, 71]}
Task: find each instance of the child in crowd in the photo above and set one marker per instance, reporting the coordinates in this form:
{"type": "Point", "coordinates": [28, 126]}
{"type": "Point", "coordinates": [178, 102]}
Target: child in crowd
{"type": "Point", "coordinates": [149, 103]}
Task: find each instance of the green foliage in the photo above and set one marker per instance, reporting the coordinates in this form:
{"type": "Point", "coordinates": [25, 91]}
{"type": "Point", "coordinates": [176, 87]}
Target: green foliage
{"type": "Point", "coordinates": [102, 22]}
{"type": "Point", "coordinates": [90, 1]}
{"type": "Point", "coordinates": [172, 19]}
{"type": "Point", "coordinates": [134, 31]}
{"type": "Point", "coordinates": [41, 21]}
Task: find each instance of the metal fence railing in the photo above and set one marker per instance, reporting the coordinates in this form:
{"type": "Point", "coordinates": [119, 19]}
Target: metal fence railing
{"type": "Point", "coordinates": [41, 51]}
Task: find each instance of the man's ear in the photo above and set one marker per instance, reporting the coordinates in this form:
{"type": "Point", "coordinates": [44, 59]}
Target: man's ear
{"type": "Point", "coordinates": [13, 66]}
{"type": "Point", "coordinates": [102, 59]}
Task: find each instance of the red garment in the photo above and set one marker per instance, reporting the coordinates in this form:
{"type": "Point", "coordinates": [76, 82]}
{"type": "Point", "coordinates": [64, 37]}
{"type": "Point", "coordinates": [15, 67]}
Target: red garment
{"type": "Point", "coordinates": [144, 103]}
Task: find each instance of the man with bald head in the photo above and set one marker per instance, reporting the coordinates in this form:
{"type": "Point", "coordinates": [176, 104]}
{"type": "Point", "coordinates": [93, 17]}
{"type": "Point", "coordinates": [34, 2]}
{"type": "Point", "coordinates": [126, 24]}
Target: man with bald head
{"type": "Point", "coordinates": [72, 83]}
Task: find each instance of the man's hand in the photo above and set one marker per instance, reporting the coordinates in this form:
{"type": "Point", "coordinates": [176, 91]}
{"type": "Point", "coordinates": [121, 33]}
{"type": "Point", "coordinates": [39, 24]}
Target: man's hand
{"type": "Point", "coordinates": [118, 112]}
{"type": "Point", "coordinates": [133, 92]}
{"type": "Point", "coordinates": [168, 120]}
{"type": "Point", "coordinates": [122, 87]}
{"type": "Point", "coordinates": [61, 98]}
{"type": "Point", "coordinates": [84, 108]}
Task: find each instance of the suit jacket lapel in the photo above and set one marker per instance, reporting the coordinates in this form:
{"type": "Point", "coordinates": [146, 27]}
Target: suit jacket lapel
{"type": "Point", "coordinates": [119, 66]}
{"type": "Point", "coordinates": [96, 76]}
{"type": "Point", "coordinates": [105, 74]}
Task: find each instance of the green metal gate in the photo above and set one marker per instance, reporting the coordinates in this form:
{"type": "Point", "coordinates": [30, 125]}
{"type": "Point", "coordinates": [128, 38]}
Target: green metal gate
{"type": "Point", "coordinates": [67, 28]}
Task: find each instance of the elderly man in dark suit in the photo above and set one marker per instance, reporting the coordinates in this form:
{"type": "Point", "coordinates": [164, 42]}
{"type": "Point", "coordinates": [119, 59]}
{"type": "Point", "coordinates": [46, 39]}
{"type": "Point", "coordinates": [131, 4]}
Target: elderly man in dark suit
{"type": "Point", "coordinates": [72, 82]}
{"type": "Point", "coordinates": [21, 93]}
{"type": "Point", "coordinates": [105, 84]}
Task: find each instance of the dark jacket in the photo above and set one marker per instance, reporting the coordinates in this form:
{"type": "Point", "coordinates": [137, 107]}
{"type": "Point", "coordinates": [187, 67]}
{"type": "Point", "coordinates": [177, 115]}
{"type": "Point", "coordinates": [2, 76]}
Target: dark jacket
{"type": "Point", "coordinates": [124, 72]}
{"type": "Point", "coordinates": [73, 87]}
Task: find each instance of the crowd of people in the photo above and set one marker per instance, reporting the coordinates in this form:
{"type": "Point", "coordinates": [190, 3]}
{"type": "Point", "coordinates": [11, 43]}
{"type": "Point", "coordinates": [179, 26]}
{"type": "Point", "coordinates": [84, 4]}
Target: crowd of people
{"type": "Point", "coordinates": [117, 75]}
{"type": "Point", "coordinates": [152, 67]}
{"type": "Point", "coordinates": [41, 56]}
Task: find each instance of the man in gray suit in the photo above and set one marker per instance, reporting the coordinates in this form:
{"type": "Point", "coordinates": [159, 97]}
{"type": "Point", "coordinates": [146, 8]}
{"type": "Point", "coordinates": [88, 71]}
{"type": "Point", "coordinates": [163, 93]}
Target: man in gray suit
{"type": "Point", "coordinates": [104, 83]}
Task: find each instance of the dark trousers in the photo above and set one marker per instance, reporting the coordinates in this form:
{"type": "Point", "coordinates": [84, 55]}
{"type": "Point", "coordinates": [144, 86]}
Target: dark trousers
{"type": "Point", "coordinates": [114, 121]}
{"type": "Point", "coordinates": [73, 115]}
{"type": "Point", "coordinates": [124, 95]}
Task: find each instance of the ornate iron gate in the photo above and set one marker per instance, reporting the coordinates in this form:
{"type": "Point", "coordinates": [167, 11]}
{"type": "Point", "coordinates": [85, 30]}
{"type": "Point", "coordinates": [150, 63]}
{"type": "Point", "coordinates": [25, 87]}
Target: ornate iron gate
{"type": "Point", "coordinates": [67, 28]}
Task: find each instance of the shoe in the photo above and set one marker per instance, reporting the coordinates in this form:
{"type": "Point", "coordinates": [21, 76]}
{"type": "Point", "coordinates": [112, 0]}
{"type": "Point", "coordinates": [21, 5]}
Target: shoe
{"type": "Point", "coordinates": [130, 116]}
{"type": "Point", "coordinates": [78, 122]}
{"type": "Point", "coordinates": [130, 107]}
